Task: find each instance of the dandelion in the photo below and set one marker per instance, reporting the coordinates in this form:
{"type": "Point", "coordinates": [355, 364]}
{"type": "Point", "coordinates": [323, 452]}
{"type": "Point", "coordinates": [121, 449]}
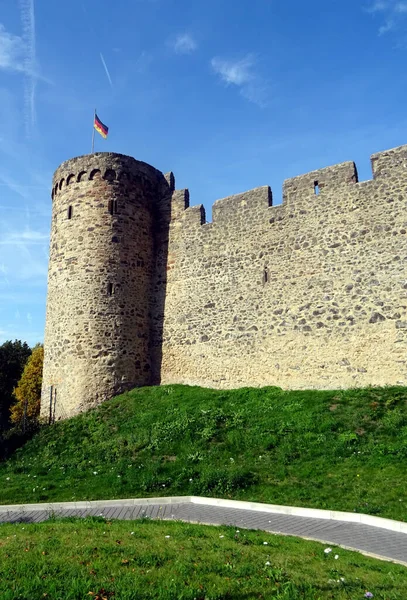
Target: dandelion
{"type": "Point", "coordinates": [328, 550]}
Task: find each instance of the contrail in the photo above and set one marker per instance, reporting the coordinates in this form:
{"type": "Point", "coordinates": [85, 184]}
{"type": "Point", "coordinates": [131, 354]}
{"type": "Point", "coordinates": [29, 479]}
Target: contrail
{"type": "Point", "coordinates": [28, 24]}
{"type": "Point", "coordinates": [106, 70]}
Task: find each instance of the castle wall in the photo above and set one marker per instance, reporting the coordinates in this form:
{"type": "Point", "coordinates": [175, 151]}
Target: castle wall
{"type": "Point", "coordinates": [97, 339]}
{"type": "Point", "coordinates": [310, 294]}
{"type": "Point", "coordinates": [142, 290]}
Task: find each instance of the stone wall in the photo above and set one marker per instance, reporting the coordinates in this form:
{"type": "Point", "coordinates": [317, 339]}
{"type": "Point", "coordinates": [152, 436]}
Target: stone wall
{"type": "Point", "coordinates": [141, 289]}
{"type": "Point", "coordinates": [310, 294]}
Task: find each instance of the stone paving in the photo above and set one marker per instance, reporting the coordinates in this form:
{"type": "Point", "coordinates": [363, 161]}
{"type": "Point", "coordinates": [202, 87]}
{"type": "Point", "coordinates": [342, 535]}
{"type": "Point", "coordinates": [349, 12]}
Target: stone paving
{"type": "Point", "coordinates": [383, 543]}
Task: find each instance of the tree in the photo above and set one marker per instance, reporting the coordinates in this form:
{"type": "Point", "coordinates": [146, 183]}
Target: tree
{"type": "Point", "coordinates": [13, 356]}
{"type": "Point", "coordinates": [28, 391]}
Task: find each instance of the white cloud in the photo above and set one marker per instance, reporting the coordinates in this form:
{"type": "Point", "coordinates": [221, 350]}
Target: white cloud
{"type": "Point", "coordinates": [392, 13]}
{"type": "Point", "coordinates": [242, 74]}
{"type": "Point", "coordinates": [11, 50]}
{"type": "Point", "coordinates": [234, 72]}
{"type": "Point", "coordinates": [184, 44]}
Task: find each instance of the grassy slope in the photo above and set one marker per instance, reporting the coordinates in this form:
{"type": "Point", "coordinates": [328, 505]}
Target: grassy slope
{"type": "Point", "coordinates": [342, 450]}
{"type": "Point", "coordinates": [71, 559]}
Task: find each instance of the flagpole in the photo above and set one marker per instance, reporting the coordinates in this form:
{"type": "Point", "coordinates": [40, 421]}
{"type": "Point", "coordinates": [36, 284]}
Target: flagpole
{"type": "Point", "coordinates": [93, 133]}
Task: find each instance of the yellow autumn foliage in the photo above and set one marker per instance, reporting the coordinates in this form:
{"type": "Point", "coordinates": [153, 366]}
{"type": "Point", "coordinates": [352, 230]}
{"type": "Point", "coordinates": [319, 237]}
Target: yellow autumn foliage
{"type": "Point", "coordinates": [28, 390]}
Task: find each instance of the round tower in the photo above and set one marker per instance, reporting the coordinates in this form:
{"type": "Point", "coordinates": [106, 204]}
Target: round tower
{"type": "Point", "coordinates": [100, 271]}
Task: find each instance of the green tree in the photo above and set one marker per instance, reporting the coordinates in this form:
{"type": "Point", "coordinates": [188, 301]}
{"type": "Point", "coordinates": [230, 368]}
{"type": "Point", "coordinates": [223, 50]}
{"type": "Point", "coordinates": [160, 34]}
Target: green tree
{"type": "Point", "coordinates": [13, 356]}
{"type": "Point", "coordinates": [28, 391]}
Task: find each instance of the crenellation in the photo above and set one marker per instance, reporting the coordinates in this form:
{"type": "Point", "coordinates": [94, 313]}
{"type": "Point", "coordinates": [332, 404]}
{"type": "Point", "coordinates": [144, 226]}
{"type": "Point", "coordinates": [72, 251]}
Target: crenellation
{"type": "Point", "coordinates": [194, 215]}
{"type": "Point", "coordinates": [143, 290]}
{"type": "Point", "coordinates": [170, 179]}
{"type": "Point", "coordinates": [389, 163]}
{"type": "Point", "coordinates": [315, 182]}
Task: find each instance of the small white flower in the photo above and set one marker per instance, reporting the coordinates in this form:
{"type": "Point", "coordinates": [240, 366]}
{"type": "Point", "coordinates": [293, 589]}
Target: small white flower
{"type": "Point", "coordinates": [268, 563]}
{"type": "Point", "coordinates": [95, 472]}
{"type": "Point", "coordinates": [237, 531]}
{"type": "Point", "coordinates": [265, 543]}
{"type": "Point", "coordinates": [221, 536]}
{"type": "Point", "coordinates": [132, 533]}
{"type": "Point", "coordinates": [163, 484]}
{"type": "Point", "coordinates": [119, 476]}
{"type": "Point", "coordinates": [191, 479]}
{"type": "Point", "coordinates": [328, 550]}
{"type": "Point", "coordinates": [167, 536]}
{"type": "Point", "coordinates": [8, 478]}
{"type": "Point", "coordinates": [336, 556]}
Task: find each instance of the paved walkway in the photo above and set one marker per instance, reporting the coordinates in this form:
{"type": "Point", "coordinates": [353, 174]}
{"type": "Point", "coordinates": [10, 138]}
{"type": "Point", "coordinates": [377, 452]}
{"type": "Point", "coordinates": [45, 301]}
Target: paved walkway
{"type": "Point", "coordinates": [379, 542]}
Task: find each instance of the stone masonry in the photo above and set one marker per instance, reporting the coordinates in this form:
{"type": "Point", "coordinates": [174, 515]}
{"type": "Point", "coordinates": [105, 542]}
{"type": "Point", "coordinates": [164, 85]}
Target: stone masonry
{"type": "Point", "coordinates": [141, 290]}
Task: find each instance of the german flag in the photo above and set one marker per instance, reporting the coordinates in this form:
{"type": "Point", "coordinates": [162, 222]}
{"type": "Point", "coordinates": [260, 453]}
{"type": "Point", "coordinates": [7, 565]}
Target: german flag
{"type": "Point", "coordinates": [100, 128]}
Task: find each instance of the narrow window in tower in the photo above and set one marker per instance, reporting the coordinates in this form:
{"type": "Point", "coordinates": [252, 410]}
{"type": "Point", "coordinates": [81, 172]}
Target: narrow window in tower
{"type": "Point", "coordinates": [316, 188]}
{"type": "Point", "coordinates": [112, 207]}
{"type": "Point", "coordinates": [265, 275]}
{"type": "Point", "coordinates": [69, 212]}
{"type": "Point", "coordinates": [110, 289]}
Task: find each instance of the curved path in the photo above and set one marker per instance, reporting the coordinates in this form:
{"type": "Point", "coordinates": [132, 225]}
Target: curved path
{"type": "Point", "coordinates": [373, 536]}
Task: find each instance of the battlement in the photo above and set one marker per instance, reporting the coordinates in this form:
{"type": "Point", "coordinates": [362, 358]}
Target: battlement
{"type": "Point", "coordinates": [389, 162]}
{"type": "Point", "coordinates": [297, 191]}
{"type": "Point", "coordinates": [109, 166]}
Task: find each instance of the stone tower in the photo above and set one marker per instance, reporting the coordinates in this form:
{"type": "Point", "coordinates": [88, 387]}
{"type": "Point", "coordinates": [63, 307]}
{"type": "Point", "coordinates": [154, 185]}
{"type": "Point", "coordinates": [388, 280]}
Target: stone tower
{"type": "Point", "coordinates": [97, 338]}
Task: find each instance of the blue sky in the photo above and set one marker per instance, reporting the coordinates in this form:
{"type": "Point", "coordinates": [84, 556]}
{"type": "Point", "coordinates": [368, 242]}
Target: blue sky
{"type": "Point", "coordinates": [228, 94]}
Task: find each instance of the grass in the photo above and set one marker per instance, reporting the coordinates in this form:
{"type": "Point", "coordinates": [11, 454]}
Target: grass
{"type": "Point", "coordinates": [343, 450]}
{"type": "Point", "coordinates": [71, 559]}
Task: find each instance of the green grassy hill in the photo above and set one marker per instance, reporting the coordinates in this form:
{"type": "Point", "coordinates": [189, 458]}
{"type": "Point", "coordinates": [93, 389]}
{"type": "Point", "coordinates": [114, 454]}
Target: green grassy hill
{"type": "Point", "coordinates": [344, 450]}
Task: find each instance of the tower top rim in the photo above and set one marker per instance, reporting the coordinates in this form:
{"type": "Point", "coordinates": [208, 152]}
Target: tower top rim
{"type": "Point", "coordinates": [112, 160]}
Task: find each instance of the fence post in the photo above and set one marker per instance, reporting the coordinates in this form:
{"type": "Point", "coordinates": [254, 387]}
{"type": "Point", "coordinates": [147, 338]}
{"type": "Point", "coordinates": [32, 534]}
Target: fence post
{"type": "Point", "coordinates": [50, 404]}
